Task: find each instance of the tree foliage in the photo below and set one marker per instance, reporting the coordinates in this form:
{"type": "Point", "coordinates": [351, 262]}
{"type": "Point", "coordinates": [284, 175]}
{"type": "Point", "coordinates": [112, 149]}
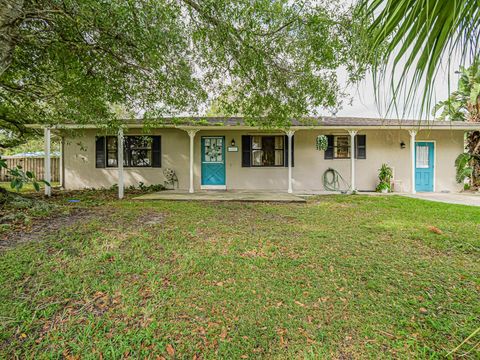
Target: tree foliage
{"type": "Point", "coordinates": [20, 177]}
{"type": "Point", "coordinates": [34, 145]}
{"type": "Point", "coordinates": [463, 165]}
{"type": "Point", "coordinates": [72, 61]}
{"type": "Point", "coordinates": [416, 35]}
{"type": "Point", "coordinates": [464, 105]}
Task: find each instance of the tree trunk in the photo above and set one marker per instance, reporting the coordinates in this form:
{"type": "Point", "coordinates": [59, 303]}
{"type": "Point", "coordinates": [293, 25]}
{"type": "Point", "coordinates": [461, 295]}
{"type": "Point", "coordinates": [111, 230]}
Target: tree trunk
{"type": "Point", "coordinates": [10, 13]}
{"type": "Point", "coordinates": [473, 148]}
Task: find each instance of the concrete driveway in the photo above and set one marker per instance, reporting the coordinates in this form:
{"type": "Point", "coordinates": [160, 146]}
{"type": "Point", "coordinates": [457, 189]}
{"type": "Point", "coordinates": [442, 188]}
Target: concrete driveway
{"type": "Point", "coordinates": [472, 199]}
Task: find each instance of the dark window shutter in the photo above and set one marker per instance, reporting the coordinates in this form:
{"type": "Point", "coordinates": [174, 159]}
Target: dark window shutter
{"type": "Point", "coordinates": [329, 151]}
{"type": "Point", "coordinates": [100, 152]}
{"type": "Point", "coordinates": [361, 147]}
{"type": "Point", "coordinates": [285, 153]}
{"type": "Point", "coordinates": [246, 150]}
{"type": "Point", "coordinates": [156, 151]}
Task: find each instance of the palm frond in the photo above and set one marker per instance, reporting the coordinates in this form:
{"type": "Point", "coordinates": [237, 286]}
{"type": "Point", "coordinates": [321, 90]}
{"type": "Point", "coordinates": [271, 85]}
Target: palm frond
{"type": "Point", "coordinates": [416, 35]}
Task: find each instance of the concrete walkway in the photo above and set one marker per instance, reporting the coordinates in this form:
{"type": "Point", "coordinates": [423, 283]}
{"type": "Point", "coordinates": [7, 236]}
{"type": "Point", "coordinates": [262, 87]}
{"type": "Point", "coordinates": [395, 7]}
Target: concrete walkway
{"type": "Point", "coordinates": [211, 195]}
{"type": "Point", "coordinates": [472, 199]}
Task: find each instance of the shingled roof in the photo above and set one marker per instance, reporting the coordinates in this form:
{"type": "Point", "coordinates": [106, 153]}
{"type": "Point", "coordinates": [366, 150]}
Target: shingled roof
{"type": "Point", "coordinates": [308, 122]}
{"type": "Point", "coordinates": [327, 121]}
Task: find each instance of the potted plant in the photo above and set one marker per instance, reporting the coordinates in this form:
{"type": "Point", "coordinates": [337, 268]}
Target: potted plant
{"type": "Point", "coordinates": [385, 175]}
{"type": "Point", "coordinates": [383, 187]}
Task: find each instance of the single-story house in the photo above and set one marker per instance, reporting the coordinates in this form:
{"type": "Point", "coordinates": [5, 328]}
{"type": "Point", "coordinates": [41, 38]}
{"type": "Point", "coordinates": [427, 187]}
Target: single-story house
{"type": "Point", "coordinates": [227, 154]}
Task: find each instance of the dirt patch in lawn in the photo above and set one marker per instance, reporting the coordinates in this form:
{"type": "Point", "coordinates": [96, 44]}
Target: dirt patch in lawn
{"type": "Point", "coordinates": [43, 227]}
{"type": "Point", "coordinates": [150, 218]}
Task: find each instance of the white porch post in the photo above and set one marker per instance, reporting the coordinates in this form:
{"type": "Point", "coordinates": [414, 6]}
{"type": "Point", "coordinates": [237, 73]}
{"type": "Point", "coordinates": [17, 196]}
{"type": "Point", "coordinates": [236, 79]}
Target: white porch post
{"type": "Point", "coordinates": [352, 158]}
{"type": "Point", "coordinates": [191, 134]}
{"type": "Point", "coordinates": [60, 162]}
{"type": "Point", "coordinates": [121, 181]}
{"type": "Point", "coordinates": [413, 133]}
{"type": "Point", "coordinates": [47, 161]}
{"type": "Point", "coordinates": [289, 159]}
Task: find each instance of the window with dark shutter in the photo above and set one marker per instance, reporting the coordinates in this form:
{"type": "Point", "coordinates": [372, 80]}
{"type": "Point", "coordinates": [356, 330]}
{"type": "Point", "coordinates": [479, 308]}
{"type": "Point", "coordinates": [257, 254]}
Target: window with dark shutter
{"type": "Point", "coordinates": [246, 150]}
{"type": "Point", "coordinates": [329, 151]}
{"type": "Point", "coordinates": [138, 151]}
{"type": "Point", "coordinates": [339, 147]}
{"type": "Point", "coordinates": [100, 152]}
{"type": "Point", "coordinates": [267, 150]}
{"type": "Point", "coordinates": [361, 147]}
{"type": "Point", "coordinates": [111, 145]}
{"type": "Point", "coordinates": [156, 151]}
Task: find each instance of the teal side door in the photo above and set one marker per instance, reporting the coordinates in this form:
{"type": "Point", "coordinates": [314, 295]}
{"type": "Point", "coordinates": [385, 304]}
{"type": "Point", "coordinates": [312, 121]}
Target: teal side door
{"type": "Point", "coordinates": [213, 160]}
{"type": "Point", "coordinates": [424, 165]}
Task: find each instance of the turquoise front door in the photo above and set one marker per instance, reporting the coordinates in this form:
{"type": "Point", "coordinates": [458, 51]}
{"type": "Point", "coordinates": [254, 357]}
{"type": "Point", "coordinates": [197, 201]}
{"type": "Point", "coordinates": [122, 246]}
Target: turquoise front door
{"type": "Point", "coordinates": [424, 163]}
{"type": "Point", "coordinates": [213, 161]}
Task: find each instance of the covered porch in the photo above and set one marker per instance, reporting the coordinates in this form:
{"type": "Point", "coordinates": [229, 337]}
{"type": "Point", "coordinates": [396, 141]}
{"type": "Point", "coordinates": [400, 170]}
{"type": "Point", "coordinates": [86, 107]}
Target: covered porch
{"type": "Point", "coordinates": [226, 154]}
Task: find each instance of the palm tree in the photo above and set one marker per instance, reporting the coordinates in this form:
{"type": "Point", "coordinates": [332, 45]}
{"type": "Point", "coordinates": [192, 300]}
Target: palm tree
{"type": "Point", "coordinates": [416, 35]}
{"type": "Point", "coordinates": [464, 105]}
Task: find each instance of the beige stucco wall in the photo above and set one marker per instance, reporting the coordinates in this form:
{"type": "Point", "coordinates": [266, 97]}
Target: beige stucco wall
{"type": "Point", "coordinates": [383, 146]}
{"type": "Point", "coordinates": [80, 170]}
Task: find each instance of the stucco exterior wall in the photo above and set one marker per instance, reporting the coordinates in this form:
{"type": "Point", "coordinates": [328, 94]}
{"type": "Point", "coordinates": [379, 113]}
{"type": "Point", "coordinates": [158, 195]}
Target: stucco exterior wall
{"type": "Point", "coordinates": [383, 146]}
{"type": "Point", "coordinates": [80, 170]}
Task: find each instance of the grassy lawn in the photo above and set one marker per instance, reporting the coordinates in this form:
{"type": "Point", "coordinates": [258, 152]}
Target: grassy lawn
{"type": "Point", "coordinates": [339, 277]}
{"type": "Point", "coordinates": [27, 187]}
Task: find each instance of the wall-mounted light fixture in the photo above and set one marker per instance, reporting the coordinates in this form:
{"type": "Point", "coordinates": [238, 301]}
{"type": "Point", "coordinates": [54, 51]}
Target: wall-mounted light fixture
{"type": "Point", "coordinates": [402, 145]}
{"type": "Point", "coordinates": [233, 142]}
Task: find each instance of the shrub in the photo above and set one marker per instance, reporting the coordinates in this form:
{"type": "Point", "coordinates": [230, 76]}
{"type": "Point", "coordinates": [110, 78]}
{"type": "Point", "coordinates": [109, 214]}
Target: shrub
{"type": "Point", "coordinates": [385, 174]}
{"type": "Point", "coordinates": [21, 177]}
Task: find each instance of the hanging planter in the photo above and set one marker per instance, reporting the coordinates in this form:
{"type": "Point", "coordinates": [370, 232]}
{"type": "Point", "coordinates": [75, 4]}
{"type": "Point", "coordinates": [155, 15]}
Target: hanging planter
{"type": "Point", "coordinates": [322, 143]}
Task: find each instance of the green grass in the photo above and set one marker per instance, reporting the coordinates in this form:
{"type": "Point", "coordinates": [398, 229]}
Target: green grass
{"type": "Point", "coordinates": [338, 277]}
{"type": "Point", "coordinates": [27, 188]}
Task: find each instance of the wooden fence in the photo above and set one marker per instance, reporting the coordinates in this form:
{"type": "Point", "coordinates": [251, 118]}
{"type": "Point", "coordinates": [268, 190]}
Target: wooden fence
{"type": "Point", "coordinates": [33, 164]}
